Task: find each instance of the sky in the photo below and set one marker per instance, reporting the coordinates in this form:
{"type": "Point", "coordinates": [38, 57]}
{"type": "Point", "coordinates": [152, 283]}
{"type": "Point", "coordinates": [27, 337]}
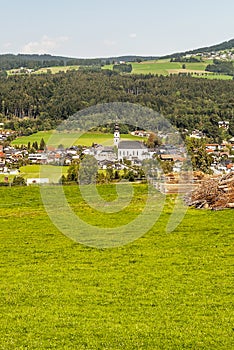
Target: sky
{"type": "Point", "coordinates": [92, 28]}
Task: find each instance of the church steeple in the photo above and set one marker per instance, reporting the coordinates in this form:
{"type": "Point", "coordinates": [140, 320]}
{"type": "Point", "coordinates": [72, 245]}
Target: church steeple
{"type": "Point", "coordinates": [116, 135]}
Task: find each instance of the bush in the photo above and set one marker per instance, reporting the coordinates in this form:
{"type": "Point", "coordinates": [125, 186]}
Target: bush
{"type": "Point", "coordinates": [18, 181]}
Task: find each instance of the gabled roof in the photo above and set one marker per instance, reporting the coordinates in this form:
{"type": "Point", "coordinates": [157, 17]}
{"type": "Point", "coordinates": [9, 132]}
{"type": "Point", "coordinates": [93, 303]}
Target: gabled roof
{"type": "Point", "coordinates": [131, 145]}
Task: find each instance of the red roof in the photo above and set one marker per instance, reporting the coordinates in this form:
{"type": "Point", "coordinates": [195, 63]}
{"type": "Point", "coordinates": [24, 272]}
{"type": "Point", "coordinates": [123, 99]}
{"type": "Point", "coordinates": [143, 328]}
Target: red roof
{"type": "Point", "coordinates": [229, 166]}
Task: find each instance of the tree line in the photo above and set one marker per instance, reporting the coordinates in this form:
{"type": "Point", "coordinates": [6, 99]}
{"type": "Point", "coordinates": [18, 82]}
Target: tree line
{"type": "Point", "coordinates": [223, 67]}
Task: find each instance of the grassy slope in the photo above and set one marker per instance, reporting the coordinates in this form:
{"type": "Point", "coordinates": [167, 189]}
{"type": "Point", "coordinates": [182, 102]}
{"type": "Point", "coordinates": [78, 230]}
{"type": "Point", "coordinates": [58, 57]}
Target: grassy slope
{"type": "Point", "coordinates": [67, 138]}
{"type": "Point", "coordinates": [165, 67]}
{"type": "Point", "coordinates": [164, 291]}
{"type": "Point", "coordinates": [160, 67]}
{"type": "Point", "coordinates": [55, 70]}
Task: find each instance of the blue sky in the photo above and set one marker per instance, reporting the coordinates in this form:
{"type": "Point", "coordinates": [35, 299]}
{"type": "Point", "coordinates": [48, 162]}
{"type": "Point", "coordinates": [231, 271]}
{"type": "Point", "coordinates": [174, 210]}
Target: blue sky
{"type": "Point", "coordinates": [104, 28]}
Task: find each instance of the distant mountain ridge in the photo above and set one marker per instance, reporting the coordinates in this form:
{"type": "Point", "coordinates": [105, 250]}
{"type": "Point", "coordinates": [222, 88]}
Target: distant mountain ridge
{"type": "Point", "coordinates": [36, 61]}
{"type": "Point", "coordinates": [226, 45]}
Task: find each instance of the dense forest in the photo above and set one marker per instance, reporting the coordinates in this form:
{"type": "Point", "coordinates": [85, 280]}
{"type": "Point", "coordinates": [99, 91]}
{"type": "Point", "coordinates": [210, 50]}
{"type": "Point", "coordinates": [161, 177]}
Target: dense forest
{"type": "Point", "coordinates": [30, 103]}
{"type": "Point", "coordinates": [10, 61]}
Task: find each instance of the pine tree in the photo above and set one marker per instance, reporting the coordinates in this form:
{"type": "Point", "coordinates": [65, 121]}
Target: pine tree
{"type": "Point", "coordinates": [42, 145]}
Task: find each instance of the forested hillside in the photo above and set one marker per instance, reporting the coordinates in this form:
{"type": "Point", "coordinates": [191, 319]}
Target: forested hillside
{"type": "Point", "coordinates": [10, 61]}
{"type": "Point", "coordinates": [47, 99]}
{"type": "Point", "coordinates": [226, 45]}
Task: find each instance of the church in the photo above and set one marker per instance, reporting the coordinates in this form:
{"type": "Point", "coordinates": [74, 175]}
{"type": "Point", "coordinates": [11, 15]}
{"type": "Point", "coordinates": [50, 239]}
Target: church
{"type": "Point", "coordinates": [131, 150]}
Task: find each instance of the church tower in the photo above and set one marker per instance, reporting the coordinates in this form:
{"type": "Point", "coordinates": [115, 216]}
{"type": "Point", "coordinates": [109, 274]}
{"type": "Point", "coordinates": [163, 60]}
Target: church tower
{"type": "Point", "coordinates": [116, 135]}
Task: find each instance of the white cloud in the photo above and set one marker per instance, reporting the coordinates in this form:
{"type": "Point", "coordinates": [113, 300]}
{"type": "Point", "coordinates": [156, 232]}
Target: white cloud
{"type": "Point", "coordinates": [44, 45]}
{"type": "Point", "coordinates": [132, 35]}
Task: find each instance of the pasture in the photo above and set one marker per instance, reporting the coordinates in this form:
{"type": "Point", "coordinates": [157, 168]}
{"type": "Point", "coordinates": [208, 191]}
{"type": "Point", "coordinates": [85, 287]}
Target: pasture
{"type": "Point", "coordinates": [72, 138]}
{"type": "Point", "coordinates": [55, 69]}
{"type": "Point", "coordinates": [34, 171]}
{"type": "Point", "coordinates": [165, 67]}
{"type": "Point", "coordinates": [163, 291]}
{"type": "Point", "coordinates": [159, 67]}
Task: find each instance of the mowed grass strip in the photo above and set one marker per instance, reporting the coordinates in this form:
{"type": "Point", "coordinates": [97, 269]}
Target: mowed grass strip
{"type": "Point", "coordinates": [163, 291]}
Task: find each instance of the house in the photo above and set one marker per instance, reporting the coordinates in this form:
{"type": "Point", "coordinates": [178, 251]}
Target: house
{"type": "Point", "coordinates": [105, 164]}
{"type": "Point", "coordinates": [196, 134]}
{"type": "Point", "coordinates": [141, 133]}
{"type": "Point", "coordinates": [224, 124]}
{"type": "Point", "coordinates": [39, 158]}
{"type": "Point", "coordinates": [231, 141]}
{"type": "Point", "coordinates": [222, 147]}
{"type": "Point", "coordinates": [37, 181]}
{"type": "Point", "coordinates": [106, 153]}
{"type": "Point", "coordinates": [212, 146]}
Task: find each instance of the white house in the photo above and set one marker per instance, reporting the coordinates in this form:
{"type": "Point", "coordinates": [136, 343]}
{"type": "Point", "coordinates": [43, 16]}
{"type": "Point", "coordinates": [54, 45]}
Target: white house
{"type": "Point", "coordinates": [37, 181]}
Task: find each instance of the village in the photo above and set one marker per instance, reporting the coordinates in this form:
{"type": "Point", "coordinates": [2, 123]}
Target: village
{"type": "Point", "coordinates": [122, 155]}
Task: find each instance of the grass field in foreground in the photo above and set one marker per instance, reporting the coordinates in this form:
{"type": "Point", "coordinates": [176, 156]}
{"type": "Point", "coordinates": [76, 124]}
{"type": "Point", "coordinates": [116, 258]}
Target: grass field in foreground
{"type": "Point", "coordinates": [67, 139]}
{"type": "Point", "coordinates": [163, 291]}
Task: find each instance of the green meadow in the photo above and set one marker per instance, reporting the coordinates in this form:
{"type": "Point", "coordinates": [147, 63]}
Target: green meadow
{"type": "Point", "coordinates": [165, 67]}
{"type": "Point", "coordinates": [34, 171]}
{"type": "Point", "coordinates": [162, 291]}
{"type": "Point", "coordinates": [155, 67]}
{"type": "Point", "coordinates": [54, 70]}
{"type": "Point", "coordinates": [159, 67]}
{"type": "Point", "coordinates": [69, 139]}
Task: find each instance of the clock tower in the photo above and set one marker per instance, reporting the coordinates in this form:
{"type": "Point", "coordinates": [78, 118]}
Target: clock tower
{"type": "Point", "coordinates": [116, 135]}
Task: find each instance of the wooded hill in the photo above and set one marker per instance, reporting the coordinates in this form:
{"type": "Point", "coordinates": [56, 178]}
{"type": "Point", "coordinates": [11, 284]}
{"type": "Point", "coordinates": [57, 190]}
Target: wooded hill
{"type": "Point", "coordinates": [226, 45]}
{"type": "Point", "coordinates": [38, 102]}
{"type": "Point", "coordinates": [10, 61]}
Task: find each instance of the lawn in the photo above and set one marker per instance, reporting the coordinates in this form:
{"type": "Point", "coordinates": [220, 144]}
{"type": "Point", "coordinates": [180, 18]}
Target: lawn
{"type": "Point", "coordinates": [163, 291]}
{"type": "Point", "coordinates": [66, 139]}
{"type": "Point", "coordinates": [33, 171]}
